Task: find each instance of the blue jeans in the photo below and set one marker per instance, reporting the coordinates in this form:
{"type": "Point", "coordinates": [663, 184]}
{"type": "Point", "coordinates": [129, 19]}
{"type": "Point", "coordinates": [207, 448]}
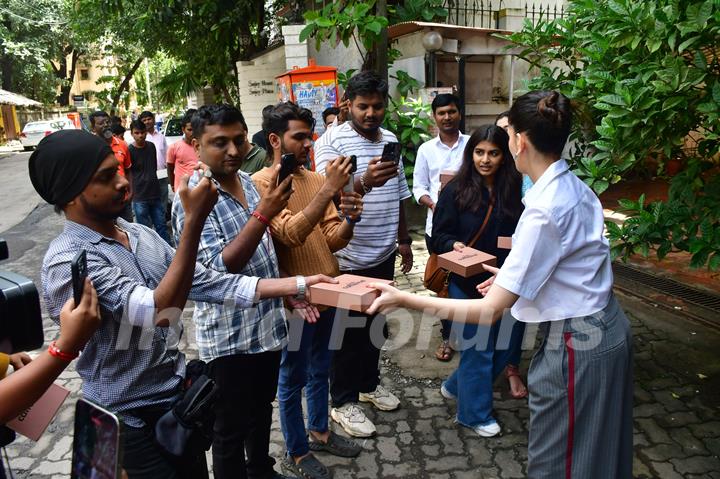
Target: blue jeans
{"type": "Point", "coordinates": [484, 353]}
{"type": "Point", "coordinates": [305, 365]}
{"type": "Point", "coordinates": [152, 213]}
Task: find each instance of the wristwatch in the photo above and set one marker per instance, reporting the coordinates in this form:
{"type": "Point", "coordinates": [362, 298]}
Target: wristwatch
{"type": "Point", "coordinates": [301, 287]}
{"type": "Point", "coordinates": [366, 189]}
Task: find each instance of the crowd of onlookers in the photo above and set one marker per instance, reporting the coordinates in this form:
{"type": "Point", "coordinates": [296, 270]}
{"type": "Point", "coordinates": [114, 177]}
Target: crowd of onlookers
{"type": "Point", "coordinates": [246, 246]}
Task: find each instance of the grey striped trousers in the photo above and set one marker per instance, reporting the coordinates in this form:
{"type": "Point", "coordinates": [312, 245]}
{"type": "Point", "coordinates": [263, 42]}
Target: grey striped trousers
{"type": "Point", "coordinates": [581, 398]}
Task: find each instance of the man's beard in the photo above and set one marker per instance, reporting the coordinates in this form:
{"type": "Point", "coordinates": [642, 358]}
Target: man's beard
{"type": "Point", "coordinates": [103, 214]}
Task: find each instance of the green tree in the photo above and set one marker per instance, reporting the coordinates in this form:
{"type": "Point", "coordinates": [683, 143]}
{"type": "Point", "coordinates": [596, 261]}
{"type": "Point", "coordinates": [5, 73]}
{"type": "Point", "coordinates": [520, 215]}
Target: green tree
{"type": "Point", "coordinates": [39, 49]}
{"type": "Point", "coordinates": [645, 77]}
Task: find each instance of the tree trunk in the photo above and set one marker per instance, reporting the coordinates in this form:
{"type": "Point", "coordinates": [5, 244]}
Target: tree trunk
{"type": "Point", "coordinates": [7, 72]}
{"type": "Point", "coordinates": [124, 85]}
{"type": "Point", "coordinates": [60, 71]}
{"type": "Point", "coordinates": [381, 55]}
{"type": "Point", "coordinates": [64, 98]}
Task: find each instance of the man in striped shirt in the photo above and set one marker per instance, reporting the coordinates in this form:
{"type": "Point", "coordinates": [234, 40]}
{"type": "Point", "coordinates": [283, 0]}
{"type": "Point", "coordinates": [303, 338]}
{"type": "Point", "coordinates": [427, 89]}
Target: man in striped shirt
{"type": "Point", "coordinates": [355, 375]}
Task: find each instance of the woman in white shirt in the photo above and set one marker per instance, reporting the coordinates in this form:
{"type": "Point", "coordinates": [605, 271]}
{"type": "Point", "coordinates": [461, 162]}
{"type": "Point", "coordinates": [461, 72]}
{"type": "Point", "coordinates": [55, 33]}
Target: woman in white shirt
{"type": "Point", "coordinates": [558, 274]}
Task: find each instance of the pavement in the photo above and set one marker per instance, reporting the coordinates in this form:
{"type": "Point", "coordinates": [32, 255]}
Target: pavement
{"type": "Point", "coordinates": [676, 405]}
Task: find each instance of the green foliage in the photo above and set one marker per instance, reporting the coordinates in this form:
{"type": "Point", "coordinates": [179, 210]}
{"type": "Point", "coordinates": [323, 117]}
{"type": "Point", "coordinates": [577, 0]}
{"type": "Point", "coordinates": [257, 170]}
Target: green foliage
{"type": "Point", "coordinates": [406, 83]}
{"type": "Point", "coordinates": [344, 21]}
{"type": "Point", "coordinates": [344, 77]}
{"type": "Point", "coordinates": [641, 83]}
{"type": "Point", "coordinates": [410, 120]}
{"type": "Point", "coordinates": [352, 20]}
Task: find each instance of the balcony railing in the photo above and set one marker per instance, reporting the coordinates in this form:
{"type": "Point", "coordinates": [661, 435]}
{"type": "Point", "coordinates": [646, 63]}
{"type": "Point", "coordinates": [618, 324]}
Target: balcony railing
{"type": "Point", "coordinates": [484, 13]}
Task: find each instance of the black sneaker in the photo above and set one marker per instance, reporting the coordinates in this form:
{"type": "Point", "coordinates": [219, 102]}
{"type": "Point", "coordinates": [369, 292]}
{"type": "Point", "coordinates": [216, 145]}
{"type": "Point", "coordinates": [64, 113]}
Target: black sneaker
{"type": "Point", "coordinates": [308, 468]}
{"type": "Point", "coordinates": [336, 445]}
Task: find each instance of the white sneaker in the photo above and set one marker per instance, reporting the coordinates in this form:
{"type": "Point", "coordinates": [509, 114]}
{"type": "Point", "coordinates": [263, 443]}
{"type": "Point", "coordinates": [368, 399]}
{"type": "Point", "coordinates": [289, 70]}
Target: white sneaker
{"type": "Point", "coordinates": [381, 398]}
{"type": "Point", "coordinates": [489, 430]}
{"type": "Point", "coordinates": [445, 393]}
{"type": "Point", "coordinates": [353, 420]}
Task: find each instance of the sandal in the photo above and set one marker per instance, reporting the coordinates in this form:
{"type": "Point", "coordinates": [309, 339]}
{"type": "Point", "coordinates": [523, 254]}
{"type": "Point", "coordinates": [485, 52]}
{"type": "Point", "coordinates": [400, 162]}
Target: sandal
{"type": "Point", "coordinates": [444, 351]}
{"type": "Point", "coordinates": [510, 371]}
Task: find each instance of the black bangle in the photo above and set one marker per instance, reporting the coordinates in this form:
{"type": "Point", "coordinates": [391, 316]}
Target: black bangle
{"type": "Point", "coordinates": [352, 221]}
{"type": "Point", "coordinates": [405, 241]}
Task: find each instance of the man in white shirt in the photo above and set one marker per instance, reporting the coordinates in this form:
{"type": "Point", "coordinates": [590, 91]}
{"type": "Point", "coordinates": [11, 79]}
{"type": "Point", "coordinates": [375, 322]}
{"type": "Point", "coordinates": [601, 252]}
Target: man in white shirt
{"type": "Point", "coordinates": [158, 139]}
{"type": "Point", "coordinates": [442, 153]}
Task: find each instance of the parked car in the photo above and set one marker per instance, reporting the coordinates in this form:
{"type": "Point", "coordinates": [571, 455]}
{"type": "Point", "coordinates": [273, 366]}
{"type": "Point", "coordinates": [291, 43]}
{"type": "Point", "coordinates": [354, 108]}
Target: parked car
{"type": "Point", "coordinates": [173, 130]}
{"type": "Point", "coordinates": [35, 131]}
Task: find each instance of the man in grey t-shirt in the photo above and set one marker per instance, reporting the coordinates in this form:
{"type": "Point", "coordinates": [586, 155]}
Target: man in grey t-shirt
{"type": "Point", "coordinates": [382, 231]}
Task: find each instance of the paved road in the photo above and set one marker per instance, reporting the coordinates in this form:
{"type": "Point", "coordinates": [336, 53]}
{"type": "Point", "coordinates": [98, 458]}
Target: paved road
{"type": "Point", "coordinates": [677, 417]}
{"type": "Point", "coordinates": [17, 196]}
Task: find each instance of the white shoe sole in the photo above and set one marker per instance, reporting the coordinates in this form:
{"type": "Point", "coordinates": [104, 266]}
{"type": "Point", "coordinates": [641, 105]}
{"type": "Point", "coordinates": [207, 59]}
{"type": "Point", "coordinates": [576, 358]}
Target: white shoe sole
{"type": "Point", "coordinates": [487, 434]}
{"type": "Point", "coordinates": [378, 405]}
{"type": "Point", "coordinates": [351, 432]}
{"type": "Point", "coordinates": [446, 394]}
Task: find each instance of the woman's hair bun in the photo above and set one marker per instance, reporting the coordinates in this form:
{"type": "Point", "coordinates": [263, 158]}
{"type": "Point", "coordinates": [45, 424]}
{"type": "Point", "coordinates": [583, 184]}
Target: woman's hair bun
{"type": "Point", "coordinates": [548, 108]}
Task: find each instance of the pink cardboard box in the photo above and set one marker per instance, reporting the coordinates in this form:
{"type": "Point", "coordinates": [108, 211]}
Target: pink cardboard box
{"type": "Point", "coordinates": [445, 177]}
{"type": "Point", "coordinates": [33, 421]}
{"type": "Point", "coordinates": [350, 293]}
{"type": "Point", "coordinates": [504, 242]}
{"type": "Point", "coordinates": [467, 262]}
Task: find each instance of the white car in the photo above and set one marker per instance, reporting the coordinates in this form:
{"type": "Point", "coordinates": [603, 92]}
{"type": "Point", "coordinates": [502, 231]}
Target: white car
{"type": "Point", "coordinates": [172, 129]}
{"type": "Point", "coordinates": [35, 131]}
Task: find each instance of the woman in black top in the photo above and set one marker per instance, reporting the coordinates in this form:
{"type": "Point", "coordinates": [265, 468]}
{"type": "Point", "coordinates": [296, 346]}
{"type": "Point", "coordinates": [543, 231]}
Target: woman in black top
{"type": "Point", "coordinates": [486, 178]}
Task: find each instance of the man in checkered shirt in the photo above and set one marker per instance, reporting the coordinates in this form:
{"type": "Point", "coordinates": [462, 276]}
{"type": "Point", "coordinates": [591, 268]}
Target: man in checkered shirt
{"type": "Point", "coordinates": [131, 365]}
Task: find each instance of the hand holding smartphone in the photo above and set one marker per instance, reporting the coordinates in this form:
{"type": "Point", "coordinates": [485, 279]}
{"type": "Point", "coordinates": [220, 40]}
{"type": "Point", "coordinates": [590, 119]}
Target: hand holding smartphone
{"type": "Point", "coordinates": [288, 163]}
{"type": "Point", "coordinates": [97, 444]}
{"type": "Point", "coordinates": [391, 152]}
{"type": "Point", "coordinates": [78, 268]}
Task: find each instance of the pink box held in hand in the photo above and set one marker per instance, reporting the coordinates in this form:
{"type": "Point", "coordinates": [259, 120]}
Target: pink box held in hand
{"type": "Point", "coordinates": [33, 421]}
{"type": "Point", "coordinates": [351, 292]}
{"type": "Point", "coordinates": [445, 177]}
{"type": "Point", "coordinates": [504, 242]}
{"type": "Point", "coordinates": [467, 262]}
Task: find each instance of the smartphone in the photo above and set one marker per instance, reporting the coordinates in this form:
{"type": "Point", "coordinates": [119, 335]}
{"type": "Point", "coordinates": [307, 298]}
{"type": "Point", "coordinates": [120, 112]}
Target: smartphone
{"type": "Point", "coordinates": [391, 152]}
{"type": "Point", "coordinates": [350, 185]}
{"type": "Point", "coordinates": [97, 443]}
{"type": "Point", "coordinates": [78, 267]}
{"type": "Point", "coordinates": [288, 163]}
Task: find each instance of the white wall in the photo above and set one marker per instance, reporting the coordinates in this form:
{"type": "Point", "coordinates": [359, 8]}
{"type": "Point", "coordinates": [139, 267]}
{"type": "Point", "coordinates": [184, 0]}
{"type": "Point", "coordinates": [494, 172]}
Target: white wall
{"type": "Point", "coordinates": [256, 80]}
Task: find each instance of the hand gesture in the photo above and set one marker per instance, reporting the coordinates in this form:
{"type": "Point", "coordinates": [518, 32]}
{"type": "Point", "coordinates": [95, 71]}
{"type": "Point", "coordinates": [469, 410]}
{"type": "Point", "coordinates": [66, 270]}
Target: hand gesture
{"type": "Point", "coordinates": [78, 324]}
{"type": "Point", "coordinates": [198, 202]}
{"type": "Point", "coordinates": [18, 360]}
{"type": "Point", "coordinates": [337, 173]}
{"type": "Point", "coordinates": [484, 287]}
{"type": "Point", "coordinates": [389, 299]}
{"type": "Point", "coordinates": [458, 246]}
{"type": "Point", "coordinates": [275, 197]}
{"type": "Point", "coordinates": [406, 256]}
{"type": "Point", "coordinates": [344, 111]}
{"type": "Point", "coordinates": [351, 205]}
{"type": "Point", "coordinates": [379, 172]}
{"type": "Point", "coordinates": [306, 311]}
{"type": "Point", "coordinates": [315, 279]}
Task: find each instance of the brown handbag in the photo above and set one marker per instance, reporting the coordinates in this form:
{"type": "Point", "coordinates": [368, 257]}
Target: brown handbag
{"type": "Point", "coordinates": [436, 279]}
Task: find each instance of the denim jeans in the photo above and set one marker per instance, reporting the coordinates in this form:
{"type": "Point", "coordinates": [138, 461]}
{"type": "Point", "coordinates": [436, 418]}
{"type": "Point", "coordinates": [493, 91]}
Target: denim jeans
{"type": "Point", "coordinates": [151, 213]}
{"type": "Point", "coordinates": [305, 365]}
{"type": "Point", "coordinates": [484, 353]}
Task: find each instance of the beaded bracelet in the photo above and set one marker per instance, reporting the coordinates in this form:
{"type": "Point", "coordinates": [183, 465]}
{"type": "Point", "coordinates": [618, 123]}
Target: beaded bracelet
{"type": "Point", "coordinates": [58, 353]}
{"type": "Point", "coordinates": [261, 219]}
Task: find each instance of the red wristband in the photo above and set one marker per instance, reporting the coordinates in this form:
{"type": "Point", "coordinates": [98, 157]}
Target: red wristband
{"type": "Point", "coordinates": [261, 219]}
{"type": "Point", "coordinates": [55, 351]}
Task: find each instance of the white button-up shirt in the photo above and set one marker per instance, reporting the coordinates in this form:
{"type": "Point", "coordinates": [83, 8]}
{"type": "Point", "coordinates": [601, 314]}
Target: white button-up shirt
{"type": "Point", "coordinates": [559, 264]}
{"type": "Point", "coordinates": [434, 157]}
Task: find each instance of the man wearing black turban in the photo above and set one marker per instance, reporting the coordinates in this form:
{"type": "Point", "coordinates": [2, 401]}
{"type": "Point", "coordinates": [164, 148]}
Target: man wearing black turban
{"type": "Point", "coordinates": [142, 284]}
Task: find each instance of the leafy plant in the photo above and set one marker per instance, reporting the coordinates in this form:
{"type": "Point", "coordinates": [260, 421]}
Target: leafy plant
{"type": "Point", "coordinates": [344, 21]}
{"type": "Point", "coordinates": [406, 83]}
{"type": "Point", "coordinates": [643, 76]}
{"type": "Point", "coordinates": [410, 120]}
{"type": "Point", "coordinates": [344, 77]}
